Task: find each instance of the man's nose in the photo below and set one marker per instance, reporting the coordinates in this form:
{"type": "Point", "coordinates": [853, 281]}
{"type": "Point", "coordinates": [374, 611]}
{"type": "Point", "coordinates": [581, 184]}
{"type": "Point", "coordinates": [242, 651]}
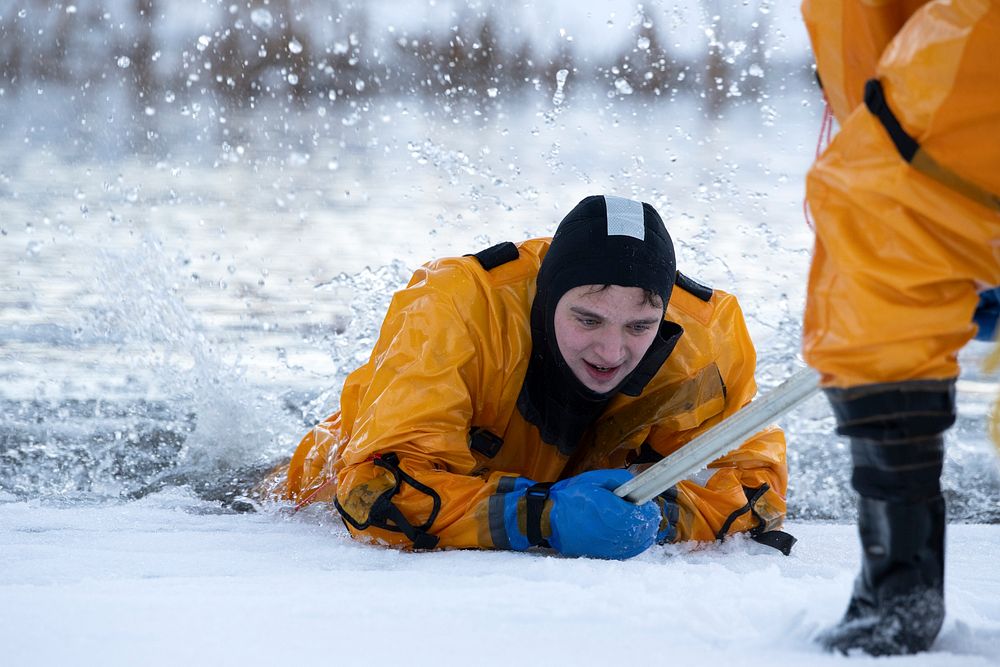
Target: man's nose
{"type": "Point", "coordinates": [610, 346]}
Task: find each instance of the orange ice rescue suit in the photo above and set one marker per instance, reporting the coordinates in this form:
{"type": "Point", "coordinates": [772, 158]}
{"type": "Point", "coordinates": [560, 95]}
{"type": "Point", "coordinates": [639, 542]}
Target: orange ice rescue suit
{"type": "Point", "coordinates": [430, 434]}
{"type": "Point", "coordinates": [906, 202]}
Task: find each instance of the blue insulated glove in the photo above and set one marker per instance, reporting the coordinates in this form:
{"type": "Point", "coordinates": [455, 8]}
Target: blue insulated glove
{"type": "Point", "coordinates": [588, 519]}
{"type": "Point", "coordinates": [585, 516]}
{"type": "Point", "coordinates": [986, 314]}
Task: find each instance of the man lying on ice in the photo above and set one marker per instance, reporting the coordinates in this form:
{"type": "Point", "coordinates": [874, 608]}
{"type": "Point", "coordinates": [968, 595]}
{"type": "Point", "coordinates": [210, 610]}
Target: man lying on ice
{"type": "Point", "coordinates": [510, 392]}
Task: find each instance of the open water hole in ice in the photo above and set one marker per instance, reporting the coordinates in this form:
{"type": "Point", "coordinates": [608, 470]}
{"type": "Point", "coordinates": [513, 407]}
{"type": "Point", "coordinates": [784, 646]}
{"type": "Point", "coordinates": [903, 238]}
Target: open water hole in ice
{"type": "Point", "coordinates": [180, 311]}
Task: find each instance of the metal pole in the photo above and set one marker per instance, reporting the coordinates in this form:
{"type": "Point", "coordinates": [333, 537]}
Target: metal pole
{"type": "Point", "coordinates": [721, 439]}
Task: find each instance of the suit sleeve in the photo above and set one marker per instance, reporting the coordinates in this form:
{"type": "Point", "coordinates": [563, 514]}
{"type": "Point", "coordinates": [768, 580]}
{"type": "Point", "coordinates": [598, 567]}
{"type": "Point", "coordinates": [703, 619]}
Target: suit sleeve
{"type": "Point", "coordinates": [848, 38]}
{"type": "Point", "coordinates": [745, 489]}
{"type": "Point", "coordinates": [407, 460]}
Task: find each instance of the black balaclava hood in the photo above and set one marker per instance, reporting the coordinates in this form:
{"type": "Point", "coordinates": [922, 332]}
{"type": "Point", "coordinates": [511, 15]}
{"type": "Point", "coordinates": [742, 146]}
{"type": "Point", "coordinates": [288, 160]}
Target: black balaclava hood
{"type": "Point", "coordinates": [604, 240]}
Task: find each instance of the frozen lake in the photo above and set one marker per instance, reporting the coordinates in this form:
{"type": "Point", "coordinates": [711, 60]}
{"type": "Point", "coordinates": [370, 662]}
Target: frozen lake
{"type": "Point", "coordinates": [192, 302]}
{"type": "Point", "coordinates": [185, 283]}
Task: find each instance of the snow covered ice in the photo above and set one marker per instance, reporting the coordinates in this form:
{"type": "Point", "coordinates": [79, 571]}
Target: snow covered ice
{"type": "Point", "coordinates": [170, 580]}
{"type": "Point", "coordinates": [192, 262]}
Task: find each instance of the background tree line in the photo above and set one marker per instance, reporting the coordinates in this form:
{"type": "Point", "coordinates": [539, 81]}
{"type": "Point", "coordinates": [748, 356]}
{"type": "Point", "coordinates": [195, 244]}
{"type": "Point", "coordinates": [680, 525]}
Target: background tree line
{"type": "Point", "coordinates": [295, 49]}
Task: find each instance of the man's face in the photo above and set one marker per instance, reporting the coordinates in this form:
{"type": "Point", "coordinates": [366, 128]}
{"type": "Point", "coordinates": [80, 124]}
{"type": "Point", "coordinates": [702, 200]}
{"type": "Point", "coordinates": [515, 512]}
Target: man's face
{"type": "Point", "coordinates": [603, 332]}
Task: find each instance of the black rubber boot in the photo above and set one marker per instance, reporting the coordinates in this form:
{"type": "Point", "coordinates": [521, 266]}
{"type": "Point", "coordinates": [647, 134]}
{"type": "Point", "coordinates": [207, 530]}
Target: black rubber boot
{"type": "Point", "coordinates": [898, 602]}
{"type": "Point", "coordinates": [897, 444]}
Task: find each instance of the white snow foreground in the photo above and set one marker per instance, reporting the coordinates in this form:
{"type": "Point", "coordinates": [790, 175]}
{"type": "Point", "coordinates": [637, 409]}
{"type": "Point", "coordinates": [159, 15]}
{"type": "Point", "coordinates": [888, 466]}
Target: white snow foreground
{"type": "Point", "coordinates": [171, 580]}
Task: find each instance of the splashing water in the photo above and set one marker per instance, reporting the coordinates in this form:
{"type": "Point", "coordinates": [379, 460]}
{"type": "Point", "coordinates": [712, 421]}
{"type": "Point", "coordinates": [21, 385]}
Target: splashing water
{"type": "Point", "coordinates": [560, 96]}
{"type": "Point", "coordinates": [262, 18]}
{"type": "Point", "coordinates": [193, 416]}
{"type": "Point", "coordinates": [350, 342]}
{"type": "Point", "coordinates": [233, 422]}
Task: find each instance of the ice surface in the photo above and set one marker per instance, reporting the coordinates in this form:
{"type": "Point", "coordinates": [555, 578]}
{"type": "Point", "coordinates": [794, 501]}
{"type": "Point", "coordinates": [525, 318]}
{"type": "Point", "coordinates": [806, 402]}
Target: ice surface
{"type": "Point", "coordinates": [171, 580]}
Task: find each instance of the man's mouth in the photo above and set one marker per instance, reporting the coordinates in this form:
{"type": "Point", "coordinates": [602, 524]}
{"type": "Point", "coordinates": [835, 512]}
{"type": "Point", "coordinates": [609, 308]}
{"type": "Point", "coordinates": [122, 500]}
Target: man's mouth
{"type": "Point", "coordinates": [602, 372]}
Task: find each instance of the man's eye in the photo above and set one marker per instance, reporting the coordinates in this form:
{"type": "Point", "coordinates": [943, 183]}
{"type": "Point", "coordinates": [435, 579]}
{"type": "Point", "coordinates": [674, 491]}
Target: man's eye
{"type": "Point", "coordinates": [587, 322]}
{"type": "Point", "coordinates": [641, 328]}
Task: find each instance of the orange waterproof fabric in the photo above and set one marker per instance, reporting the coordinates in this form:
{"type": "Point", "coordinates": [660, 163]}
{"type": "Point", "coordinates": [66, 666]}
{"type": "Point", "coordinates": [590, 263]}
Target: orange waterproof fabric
{"type": "Point", "coordinates": [901, 253]}
{"type": "Point", "coordinates": [848, 38]}
{"type": "Point", "coordinates": [452, 355]}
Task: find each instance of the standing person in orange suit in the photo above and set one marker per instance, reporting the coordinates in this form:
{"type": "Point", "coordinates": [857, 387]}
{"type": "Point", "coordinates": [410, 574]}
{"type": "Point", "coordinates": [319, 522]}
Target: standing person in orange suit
{"type": "Point", "coordinates": [907, 217]}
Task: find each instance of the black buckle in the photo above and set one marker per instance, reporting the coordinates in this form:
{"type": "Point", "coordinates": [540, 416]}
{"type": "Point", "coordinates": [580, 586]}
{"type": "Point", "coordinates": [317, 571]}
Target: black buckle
{"type": "Point", "coordinates": [486, 443]}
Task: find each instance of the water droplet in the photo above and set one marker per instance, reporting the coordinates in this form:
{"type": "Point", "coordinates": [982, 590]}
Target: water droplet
{"type": "Point", "coordinates": [203, 42]}
{"type": "Point", "coordinates": [22, 13]}
{"type": "Point", "coordinates": [71, 9]}
{"type": "Point", "coordinates": [169, 96]}
{"type": "Point", "coordinates": [642, 43]}
{"type": "Point", "coordinates": [622, 86]}
{"type": "Point", "coordinates": [150, 111]}
{"type": "Point", "coordinates": [492, 92]}
{"type": "Point", "coordinates": [295, 46]}
{"type": "Point", "coordinates": [559, 97]}
{"type": "Point", "coordinates": [262, 18]}
{"type": "Point", "coordinates": [359, 85]}
{"type": "Point", "coordinates": [293, 78]}
{"type": "Point", "coordinates": [124, 62]}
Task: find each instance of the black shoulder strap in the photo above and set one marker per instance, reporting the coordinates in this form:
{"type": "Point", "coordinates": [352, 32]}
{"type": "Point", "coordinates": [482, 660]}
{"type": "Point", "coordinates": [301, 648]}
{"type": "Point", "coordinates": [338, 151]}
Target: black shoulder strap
{"type": "Point", "coordinates": [875, 101]}
{"type": "Point", "coordinates": [909, 149]}
{"type": "Point", "coordinates": [496, 255]}
{"type": "Point", "coordinates": [694, 287]}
